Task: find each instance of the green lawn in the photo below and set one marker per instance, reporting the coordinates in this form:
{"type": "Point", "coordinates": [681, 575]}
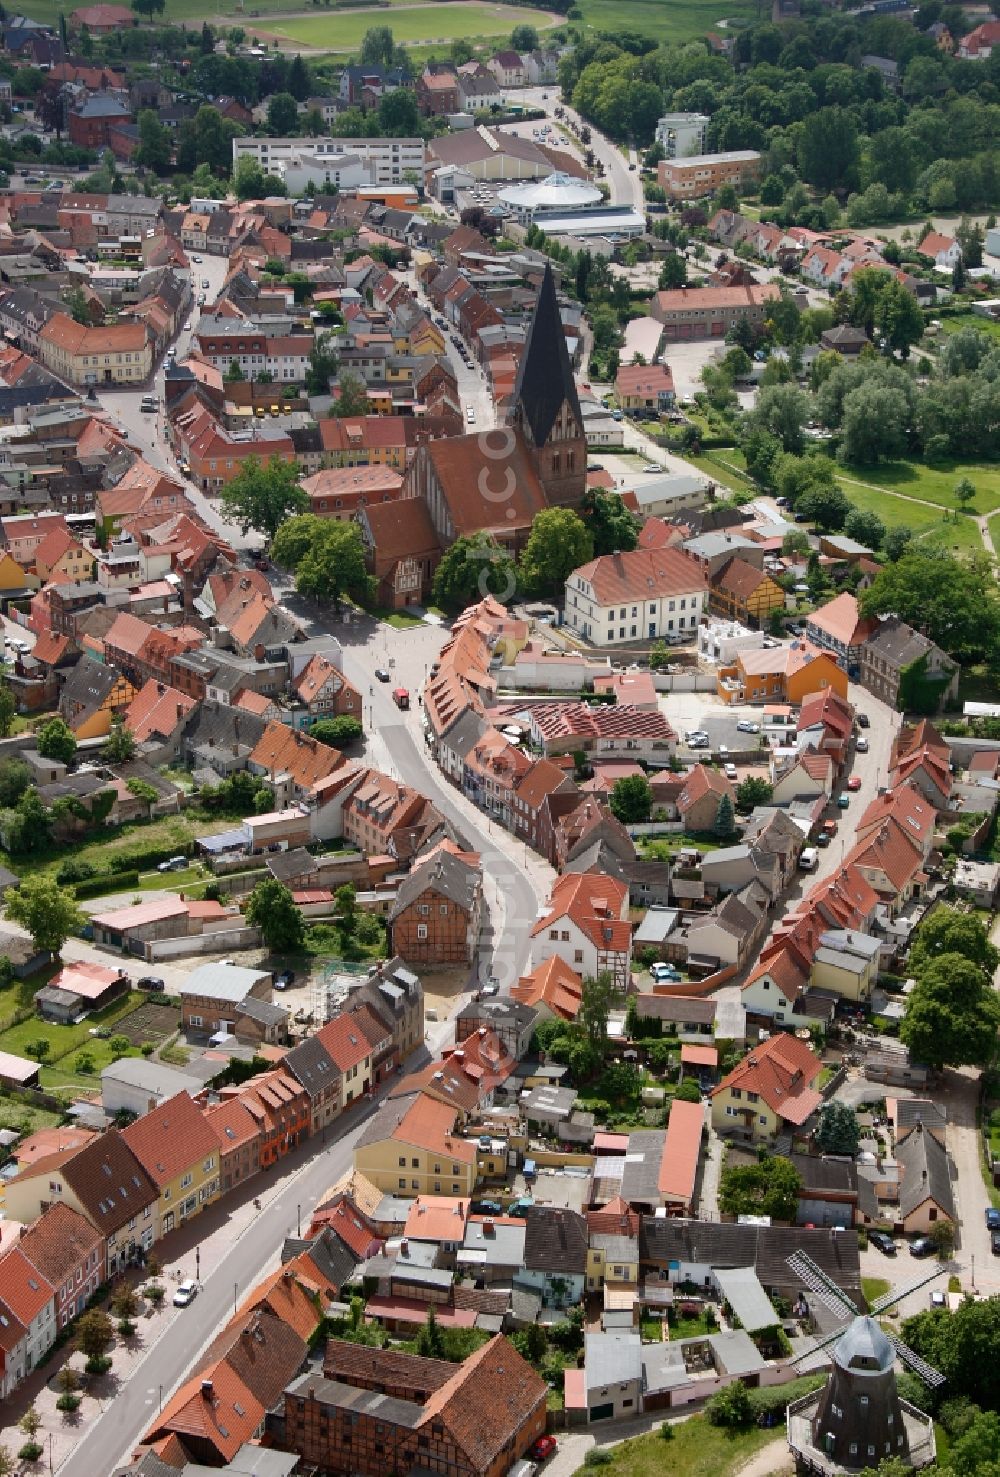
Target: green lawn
{"type": "Point", "coordinates": [970, 320]}
{"type": "Point", "coordinates": [423, 25]}
{"type": "Point", "coordinates": [64, 1040]}
{"type": "Point", "coordinates": [935, 484]}
{"type": "Point", "coordinates": [696, 1450]}
{"type": "Point", "coordinates": [961, 534]}
{"type": "Point", "coordinates": [681, 20]}
{"type": "Point", "coordinates": [714, 466]}
{"type": "Point", "coordinates": [134, 839]}
{"type": "Point", "coordinates": [24, 1118]}
{"type": "Point", "coordinates": [874, 1288]}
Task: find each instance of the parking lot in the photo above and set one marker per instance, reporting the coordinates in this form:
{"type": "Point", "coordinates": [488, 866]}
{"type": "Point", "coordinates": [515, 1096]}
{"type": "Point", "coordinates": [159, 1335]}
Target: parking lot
{"type": "Point", "coordinates": [702, 712]}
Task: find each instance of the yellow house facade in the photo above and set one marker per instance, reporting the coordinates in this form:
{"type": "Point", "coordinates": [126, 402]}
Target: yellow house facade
{"type": "Point", "coordinates": [410, 1149]}
{"type": "Point", "coordinates": [13, 579]}
{"type": "Point", "coordinates": [118, 354]}
{"type": "Point", "coordinates": [612, 1259]}
{"type": "Point", "coordinates": [180, 1153]}
{"type": "Point", "coordinates": [95, 721]}
{"type": "Point", "coordinates": [848, 969]}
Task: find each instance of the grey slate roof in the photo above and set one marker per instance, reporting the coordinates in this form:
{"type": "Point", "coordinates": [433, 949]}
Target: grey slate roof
{"type": "Point", "coordinates": [766, 1248]}
{"type": "Point", "coordinates": [544, 375]}
{"type": "Point", "coordinates": [311, 1065]}
{"type": "Point", "coordinates": [923, 1165]}
{"type": "Point", "coordinates": [446, 874]}
{"type": "Point", "coordinates": [262, 1011]}
{"type": "Point", "coordinates": [640, 1181]}
{"type": "Point", "coordinates": [555, 1240]}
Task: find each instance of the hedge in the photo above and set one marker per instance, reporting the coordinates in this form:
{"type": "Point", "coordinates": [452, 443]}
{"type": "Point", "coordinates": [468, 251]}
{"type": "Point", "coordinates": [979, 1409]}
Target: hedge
{"type": "Point", "coordinates": [145, 861]}
{"type": "Point", "coordinates": [775, 1399]}
{"type": "Point", "coordinates": [106, 882]}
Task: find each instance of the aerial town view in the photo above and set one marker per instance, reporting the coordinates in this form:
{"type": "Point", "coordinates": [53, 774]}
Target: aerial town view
{"type": "Point", "coordinates": [499, 738]}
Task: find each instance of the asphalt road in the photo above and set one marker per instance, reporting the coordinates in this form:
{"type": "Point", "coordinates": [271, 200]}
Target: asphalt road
{"type": "Point", "coordinates": [305, 1175]}
{"type": "Point", "coordinates": [625, 185]}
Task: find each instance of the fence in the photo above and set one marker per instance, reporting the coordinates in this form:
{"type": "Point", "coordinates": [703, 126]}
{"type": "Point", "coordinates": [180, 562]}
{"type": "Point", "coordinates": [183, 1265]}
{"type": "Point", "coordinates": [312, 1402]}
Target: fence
{"type": "Point", "coordinates": [684, 681]}
{"type": "Point", "coordinates": [830, 1087]}
{"type": "Point", "coordinates": [204, 943]}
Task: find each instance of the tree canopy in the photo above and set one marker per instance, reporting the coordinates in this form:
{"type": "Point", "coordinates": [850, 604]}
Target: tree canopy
{"type": "Point", "coordinates": [270, 908]}
{"type": "Point", "coordinates": [770, 1187]}
{"type": "Point", "coordinates": [49, 912]}
{"type": "Point", "coordinates": [613, 528]}
{"type": "Point", "coordinates": [262, 495]}
{"type": "Point", "coordinates": [558, 543]}
{"type": "Point", "coordinates": [473, 567]}
{"type": "Point", "coordinates": [631, 799]}
{"type": "Point", "coordinates": [838, 1130]}
{"type": "Point", "coordinates": [952, 600]}
{"type": "Point", "coordinates": [953, 1015]}
{"type": "Point", "coordinates": [334, 566]}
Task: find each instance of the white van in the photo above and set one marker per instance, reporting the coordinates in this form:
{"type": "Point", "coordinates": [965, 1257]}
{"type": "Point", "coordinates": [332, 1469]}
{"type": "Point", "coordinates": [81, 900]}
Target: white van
{"type": "Point", "coordinates": [809, 860]}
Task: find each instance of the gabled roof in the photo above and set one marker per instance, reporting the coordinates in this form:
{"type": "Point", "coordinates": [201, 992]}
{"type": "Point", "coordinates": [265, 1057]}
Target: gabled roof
{"type": "Point", "coordinates": [171, 1139]}
{"type": "Point", "coordinates": [923, 1163]}
{"type": "Point", "coordinates": [214, 1406]}
{"type": "Point", "coordinates": [344, 1042]}
{"type": "Point", "coordinates": [109, 1181]}
{"type": "Point", "coordinates": [444, 873]}
{"type": "Point", "coordinates": [484, 1403]}
{"type": "Point", "coordinates": [26, 1290]}
{"type": "Point", "coordinates": [553, 983]}
{"type": "Point", "coordinates": [284, 750]}
{"type": "Point", "coordinates": [780, 1070]}
{"type": "Point", "coordinates": [555, 1241]}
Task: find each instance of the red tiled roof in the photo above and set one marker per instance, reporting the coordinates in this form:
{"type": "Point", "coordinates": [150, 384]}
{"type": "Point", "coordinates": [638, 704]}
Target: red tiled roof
{"type": "Point", "coordinates": [681, 1151]}
{"type": "Point", "coordinates": [780, 1070]}
{"type": "Point", "coordinates": [171, 1139]}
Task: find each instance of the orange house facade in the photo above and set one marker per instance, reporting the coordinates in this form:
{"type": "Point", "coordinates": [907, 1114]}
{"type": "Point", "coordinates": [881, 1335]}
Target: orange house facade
{"type": "Point", "coordinates": [781, 674]}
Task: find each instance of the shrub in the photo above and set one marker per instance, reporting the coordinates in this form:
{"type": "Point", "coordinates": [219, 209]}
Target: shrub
{"type": "Point", "coordinates": [597, 1457]}
{"type": "Point", "coordinates": [102, 883]}
{"type": "Point", "coordinates": [74, 869]}
{"type": "Point", "coordinates": [68, 1403]}
{"type": "Point", "coordinates": [30, 1451]}
{"type": "Point", "coordinates": [730, 1407]}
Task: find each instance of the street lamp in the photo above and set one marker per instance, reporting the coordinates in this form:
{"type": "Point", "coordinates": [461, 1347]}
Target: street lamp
{"type": "Point", "coordinates": [298, 1221]}
{"type": "Point", "coordinates": [235, 1290]}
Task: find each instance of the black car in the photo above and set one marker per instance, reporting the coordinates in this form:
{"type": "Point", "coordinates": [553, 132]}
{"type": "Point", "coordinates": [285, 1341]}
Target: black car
{"type": "Point", "coordinates": [992, 1219]}
{"type": "Point", "coordinates": [863, 720]}
{"type": "Point", "coordinates": [150, 982]}
{"type": "Point", "coordinates": [923, 1246]}
{"type": "Point", "coordinates": [884, 1243]}
{"type": "Point", "coordinates": [995, 1243]}
{"type": "Point", "coordinates": [285, 979]}
{"type": "Point", "coordinates": [486, 1207]}
{"type": "Point", "coordinates": [382, 674]}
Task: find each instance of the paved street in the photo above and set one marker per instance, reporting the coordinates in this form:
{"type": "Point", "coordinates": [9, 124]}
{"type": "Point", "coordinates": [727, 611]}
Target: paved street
{"type": "Point", "coordinates": [625, 185]}
{"type": "Point", "coordinates": [232, 1262]}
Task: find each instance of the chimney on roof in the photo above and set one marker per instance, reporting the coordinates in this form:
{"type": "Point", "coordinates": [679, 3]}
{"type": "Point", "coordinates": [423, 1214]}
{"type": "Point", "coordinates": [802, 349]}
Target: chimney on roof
{"type": "Point", "coordinates": [207, 1389]}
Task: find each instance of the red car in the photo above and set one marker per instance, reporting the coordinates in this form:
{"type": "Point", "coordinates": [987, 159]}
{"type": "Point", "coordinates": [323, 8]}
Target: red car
{"type": "Point", "coordinates": [854, 783]}
{"type": "Point", "coordinates": [542, 1449]}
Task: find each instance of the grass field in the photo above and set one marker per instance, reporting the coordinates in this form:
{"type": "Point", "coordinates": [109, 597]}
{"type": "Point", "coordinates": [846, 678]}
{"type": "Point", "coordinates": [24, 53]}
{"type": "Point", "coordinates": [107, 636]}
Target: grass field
{"type": "Point", "coordinates": [680, 20]}
{"type": "Point", "coordinates": [419, 25]}
{"type": "Point", "coordinates": [695, 1450]}
{"type": "Point", "coordinates": [961, 534]}
{"type": "Point", "coordinates": [935, 484]}
{"type": "Point", "coordinates": [172, 831]}
{"type": "Point", "coordinates": [970, 320]}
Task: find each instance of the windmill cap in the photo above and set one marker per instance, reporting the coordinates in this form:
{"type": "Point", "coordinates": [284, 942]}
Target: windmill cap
{"type": "Point", "coordinates": [863, 1346]}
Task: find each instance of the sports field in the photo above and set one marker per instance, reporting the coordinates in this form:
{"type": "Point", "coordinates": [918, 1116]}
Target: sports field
{"type": "Point", "coordinates": [333, 30]}
{"type": "Point", "coordinates": [412, 25]}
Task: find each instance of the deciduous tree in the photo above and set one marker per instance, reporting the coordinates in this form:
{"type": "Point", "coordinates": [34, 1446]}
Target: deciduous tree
{"type": "Point", "coordinates": [48, 912]}
{"type": "Point", "coordinates": [558, 543]}
{"type": "Point", "coordinates": [474, 566]}
{"type": "Point", "coordinates": [953, 1015]}
{"type": "Point", "coordinates": [631, 799]}
{"type": "Point", "coordinates": [271, 908]}
{"type": "Point", "coordinates": [54, 740]}
{"type": "Point", "coordinates": [838, 1131]}
{"type": "Point", "coordinates": [262, 495]}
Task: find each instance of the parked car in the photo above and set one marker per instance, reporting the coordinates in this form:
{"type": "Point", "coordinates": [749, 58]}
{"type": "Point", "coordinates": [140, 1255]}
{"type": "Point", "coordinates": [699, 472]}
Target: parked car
{"type": "Point", "coordinates": [730, 771]}
{"type": "Point", "coordinates": [150, 982]}
{"type": "Point", "coordinates": [285, 979]}
{"type": "Point", "coordinates": [924, 1246]}
{"type": "Point", "coordinates": [542, 1449]}
{"type": "Point", "coordinates": [382, 674]}
{"type": "Point", "coordinates": [186, 1293]}
{"type": "Point", "coordinates": [854, 783]}
{"type": "Point", "coordinates": [824, 838]}
{"type": "Point", "coordinates": [173, 864]}
{"type": "Point", "coordinates": [862, 745]}
{"type": "Point", "coordinates": [938, 1299]}
{"type": "Point", "coordinates": [883, 1242]}
{"type": "Point", "coordinates": [992, 1219]}
{"type": "Point", "coordinates": [863, 720]}
{"type": "Point", "coordinates": [745, 726]}
{"type": "Point", "coordinates": [486, 1207]}
{"type": "Point", "coordinates": [664, 972]}
{"type": "Point", "coordinates": [843, 801]}
{"type": "Point", "coordinates": [995, 1243]}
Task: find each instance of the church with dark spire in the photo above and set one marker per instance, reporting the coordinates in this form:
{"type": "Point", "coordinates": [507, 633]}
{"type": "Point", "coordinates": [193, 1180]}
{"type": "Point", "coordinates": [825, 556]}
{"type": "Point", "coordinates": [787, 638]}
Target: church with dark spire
{"type": "Point", "coordinates": [546, 408]}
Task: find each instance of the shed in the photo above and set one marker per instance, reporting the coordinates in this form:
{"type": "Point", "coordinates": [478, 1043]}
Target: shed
{"type": "Point", "coordinates": [742, 1290]}
{"type": "Point", "coordinates": [17, 1071]}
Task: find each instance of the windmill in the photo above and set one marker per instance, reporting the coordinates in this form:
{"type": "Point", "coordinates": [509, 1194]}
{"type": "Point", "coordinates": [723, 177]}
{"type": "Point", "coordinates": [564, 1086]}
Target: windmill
{"type": "Point", "coordinates": [857, 1419]}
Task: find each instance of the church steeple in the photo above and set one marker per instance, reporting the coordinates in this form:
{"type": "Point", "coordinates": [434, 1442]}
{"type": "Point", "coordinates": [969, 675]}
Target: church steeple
{"type": "Point", "coordinates": [546, 407]}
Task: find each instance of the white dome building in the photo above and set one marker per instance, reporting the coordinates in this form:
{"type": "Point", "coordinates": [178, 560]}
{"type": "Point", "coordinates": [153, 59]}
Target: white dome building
{"type": "Point", "coordinates": [560, 194]}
